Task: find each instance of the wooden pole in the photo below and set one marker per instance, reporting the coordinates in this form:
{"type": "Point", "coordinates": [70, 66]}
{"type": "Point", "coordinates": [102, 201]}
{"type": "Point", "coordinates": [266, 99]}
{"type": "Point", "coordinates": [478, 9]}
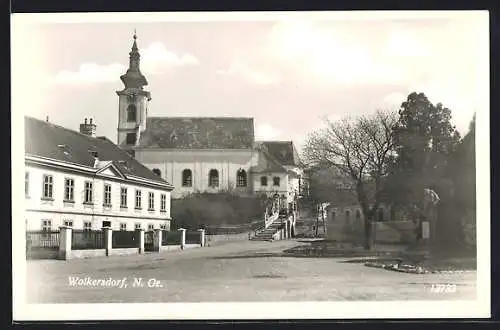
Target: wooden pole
{"type": "Point", "coordinates": [324, 222]}
{"type": "Point", "coordinates": [317, 220]}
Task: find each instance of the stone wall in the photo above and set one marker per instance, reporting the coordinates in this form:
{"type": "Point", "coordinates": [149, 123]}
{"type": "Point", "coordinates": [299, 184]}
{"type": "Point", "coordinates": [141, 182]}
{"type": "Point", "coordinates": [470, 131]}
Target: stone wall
{"type": "Point", "coordinates": [217, 239]}
{"type": "Point", "coordinates": [390, 232]}
{"type": "Point", "coordinates": [395, 232]}
{"type": "Point", "coordinates": [123, 251]}
{"type": "Point", "coordinates": [191, 246]}
{"type": "Point", "coordinates": [92, 253]}
{"type": "Point", "coordinates": [165, 248]}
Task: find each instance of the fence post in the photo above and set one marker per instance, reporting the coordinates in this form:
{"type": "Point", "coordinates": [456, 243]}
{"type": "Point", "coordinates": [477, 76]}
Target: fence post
{"type": "Point", "coordinates": [141, 239]}
{"type": "Point", "coordinates": [108, 239]}
{"type": "Point", "coordinates": [65, 242]}
{"type": "Point", "coordinates": [157, 240]}
{"type": "Point", "coordinates": [183, 237]}
{"type": "Point", "coordinates": [202, 237]}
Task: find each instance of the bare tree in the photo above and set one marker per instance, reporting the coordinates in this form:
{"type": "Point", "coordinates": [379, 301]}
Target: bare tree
{"type": "Point", "coordinates": [361, 149]}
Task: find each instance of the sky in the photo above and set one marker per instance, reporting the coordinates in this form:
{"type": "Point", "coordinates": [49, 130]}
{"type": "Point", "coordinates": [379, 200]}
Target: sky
{"type": "Point", "coordinates": [287, 71]}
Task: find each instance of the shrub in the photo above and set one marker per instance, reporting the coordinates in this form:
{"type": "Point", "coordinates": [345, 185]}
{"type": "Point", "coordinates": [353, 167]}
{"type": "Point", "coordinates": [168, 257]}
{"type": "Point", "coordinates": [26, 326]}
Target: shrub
{"type": "Point", "coordinates": [203, 209]}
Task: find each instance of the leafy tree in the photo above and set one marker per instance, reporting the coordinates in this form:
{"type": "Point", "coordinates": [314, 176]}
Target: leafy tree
{"type": "Point", "coordinates": [360, 149]}
{"type": "Point", "coordinates": [431, 154]}
{"type": "Point", "coordinates": [425, 141]}
{"type": "Point", "coordinates": [464, 168]}
{"type": "Point", "coordinates": [462, 202]}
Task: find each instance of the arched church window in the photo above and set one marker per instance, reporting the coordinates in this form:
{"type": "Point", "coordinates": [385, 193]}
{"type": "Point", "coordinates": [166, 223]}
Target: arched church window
{"type": "Point", "coordinates": [187, 178]}
{"type": "Point", "coordinates": [131, 113]}
{"type": "Point", "coordinates": [157, 171]}
{"type": "Point", "coordinates": [241, 178]}
{"type": "Point", "coordinates": [213, 178]}
{"type": "Point", "coordinates": [263, 180]}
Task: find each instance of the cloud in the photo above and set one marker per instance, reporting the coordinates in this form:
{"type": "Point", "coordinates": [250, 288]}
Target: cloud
{"type": "Point", "coordinates": [328, 54]}
{"type": "Point", "coordinates": [462, 106]}
{"type": "Point", "coordinates": [266, 132]}
{"type": "Point", "coordinates": [405, 43]}
{"type": "Point", "coordinates": [155, 59]}
{"type": "Point", "coordinates": [91, 73]}
{"type": "Point", "coordinates": [339, 52]}
{"type": "Point", "coordinates": [394, 100]}
{"type": "Point", "coordinates": [241, 69]}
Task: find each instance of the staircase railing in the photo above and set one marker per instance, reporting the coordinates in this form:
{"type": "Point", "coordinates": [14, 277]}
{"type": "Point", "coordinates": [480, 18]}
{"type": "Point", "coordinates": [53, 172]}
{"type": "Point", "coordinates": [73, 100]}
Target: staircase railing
{"type": "Point", "coordinates": [267, 222]}
{"type": "Point", "coordinates": [271, 219]}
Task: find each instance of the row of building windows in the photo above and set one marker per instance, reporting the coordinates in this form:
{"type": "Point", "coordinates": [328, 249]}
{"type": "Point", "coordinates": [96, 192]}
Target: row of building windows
{"type": "Point", "coordinates": [88, 196]}
{"type": "Point", "coordinates": [276, 181]}
{"type": "Point", "coordinates": [46, 225]}
{"type": "Point", "coordinates": [213, 178]}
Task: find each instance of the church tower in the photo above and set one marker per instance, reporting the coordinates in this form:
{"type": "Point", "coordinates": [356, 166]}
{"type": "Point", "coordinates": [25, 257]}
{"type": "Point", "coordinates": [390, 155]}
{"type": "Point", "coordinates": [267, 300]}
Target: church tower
{"type": "Point", "coordinates": [133, 102]}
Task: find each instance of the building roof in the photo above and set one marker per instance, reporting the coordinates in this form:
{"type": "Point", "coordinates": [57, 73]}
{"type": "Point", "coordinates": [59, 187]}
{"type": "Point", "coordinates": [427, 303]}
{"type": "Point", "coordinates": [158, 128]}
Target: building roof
{"type": "Point", "coordinates": [198, 133]}
{"type": "Point", "coordinates": [283, 151]}
{"type": "Point", "coordinates": [267, 163]}
{"type": "Point", "coordinates": [44, 139]}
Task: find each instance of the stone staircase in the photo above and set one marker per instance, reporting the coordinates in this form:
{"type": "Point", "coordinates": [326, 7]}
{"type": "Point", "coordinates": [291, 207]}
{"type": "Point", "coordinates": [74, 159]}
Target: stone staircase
{"type": "Point", "coordinates": [267, 233]}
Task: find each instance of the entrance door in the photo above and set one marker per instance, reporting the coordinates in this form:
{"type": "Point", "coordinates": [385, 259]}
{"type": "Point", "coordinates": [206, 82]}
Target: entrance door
{"type": "Point", "coordinates": [149, 240]}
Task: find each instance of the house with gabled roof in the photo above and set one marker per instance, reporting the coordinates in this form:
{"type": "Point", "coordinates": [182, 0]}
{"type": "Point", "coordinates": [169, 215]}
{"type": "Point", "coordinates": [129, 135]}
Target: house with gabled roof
{"type": "Point", "coordinates": [203, 154]}
{"type": "Point", "coordinates": [87, 182]}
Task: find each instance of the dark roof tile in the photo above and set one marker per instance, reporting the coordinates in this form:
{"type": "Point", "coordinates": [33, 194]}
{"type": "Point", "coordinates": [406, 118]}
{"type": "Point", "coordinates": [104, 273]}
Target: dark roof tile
{"type": "Point", "coordinates": [283, 151]}
{"type": "Point", "coordinates": [47, 140]}
{"type": "Point", "coordinates": [267, 164]}
{"type": "Point", "coordinates": [198, 133]}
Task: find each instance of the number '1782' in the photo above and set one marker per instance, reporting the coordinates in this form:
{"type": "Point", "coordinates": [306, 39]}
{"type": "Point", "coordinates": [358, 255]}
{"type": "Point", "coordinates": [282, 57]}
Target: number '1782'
{"type": "Point", "coordinates": [443, 288]}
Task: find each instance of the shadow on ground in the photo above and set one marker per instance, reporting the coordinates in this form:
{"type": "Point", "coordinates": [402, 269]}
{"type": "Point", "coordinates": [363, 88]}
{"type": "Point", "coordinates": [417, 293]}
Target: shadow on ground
{"type": "Point", "coordinates": [316, 249]}
{"type": "Point", "coordinates": [385, 256]}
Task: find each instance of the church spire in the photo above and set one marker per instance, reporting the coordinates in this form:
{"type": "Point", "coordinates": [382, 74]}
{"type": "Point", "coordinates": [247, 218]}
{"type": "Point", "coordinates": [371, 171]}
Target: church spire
{"type": "Point", "coordinates": [134, 46]}
{"type": "Point", "coordinates": [134, 78]}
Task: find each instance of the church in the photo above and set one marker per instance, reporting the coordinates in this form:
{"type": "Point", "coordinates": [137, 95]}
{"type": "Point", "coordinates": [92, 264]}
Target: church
{"type": "Point", "coordinates": [204, 154]}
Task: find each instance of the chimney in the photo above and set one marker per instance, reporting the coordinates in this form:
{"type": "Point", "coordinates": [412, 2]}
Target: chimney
{"type": "Point", "coordinates": [88, 128]}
